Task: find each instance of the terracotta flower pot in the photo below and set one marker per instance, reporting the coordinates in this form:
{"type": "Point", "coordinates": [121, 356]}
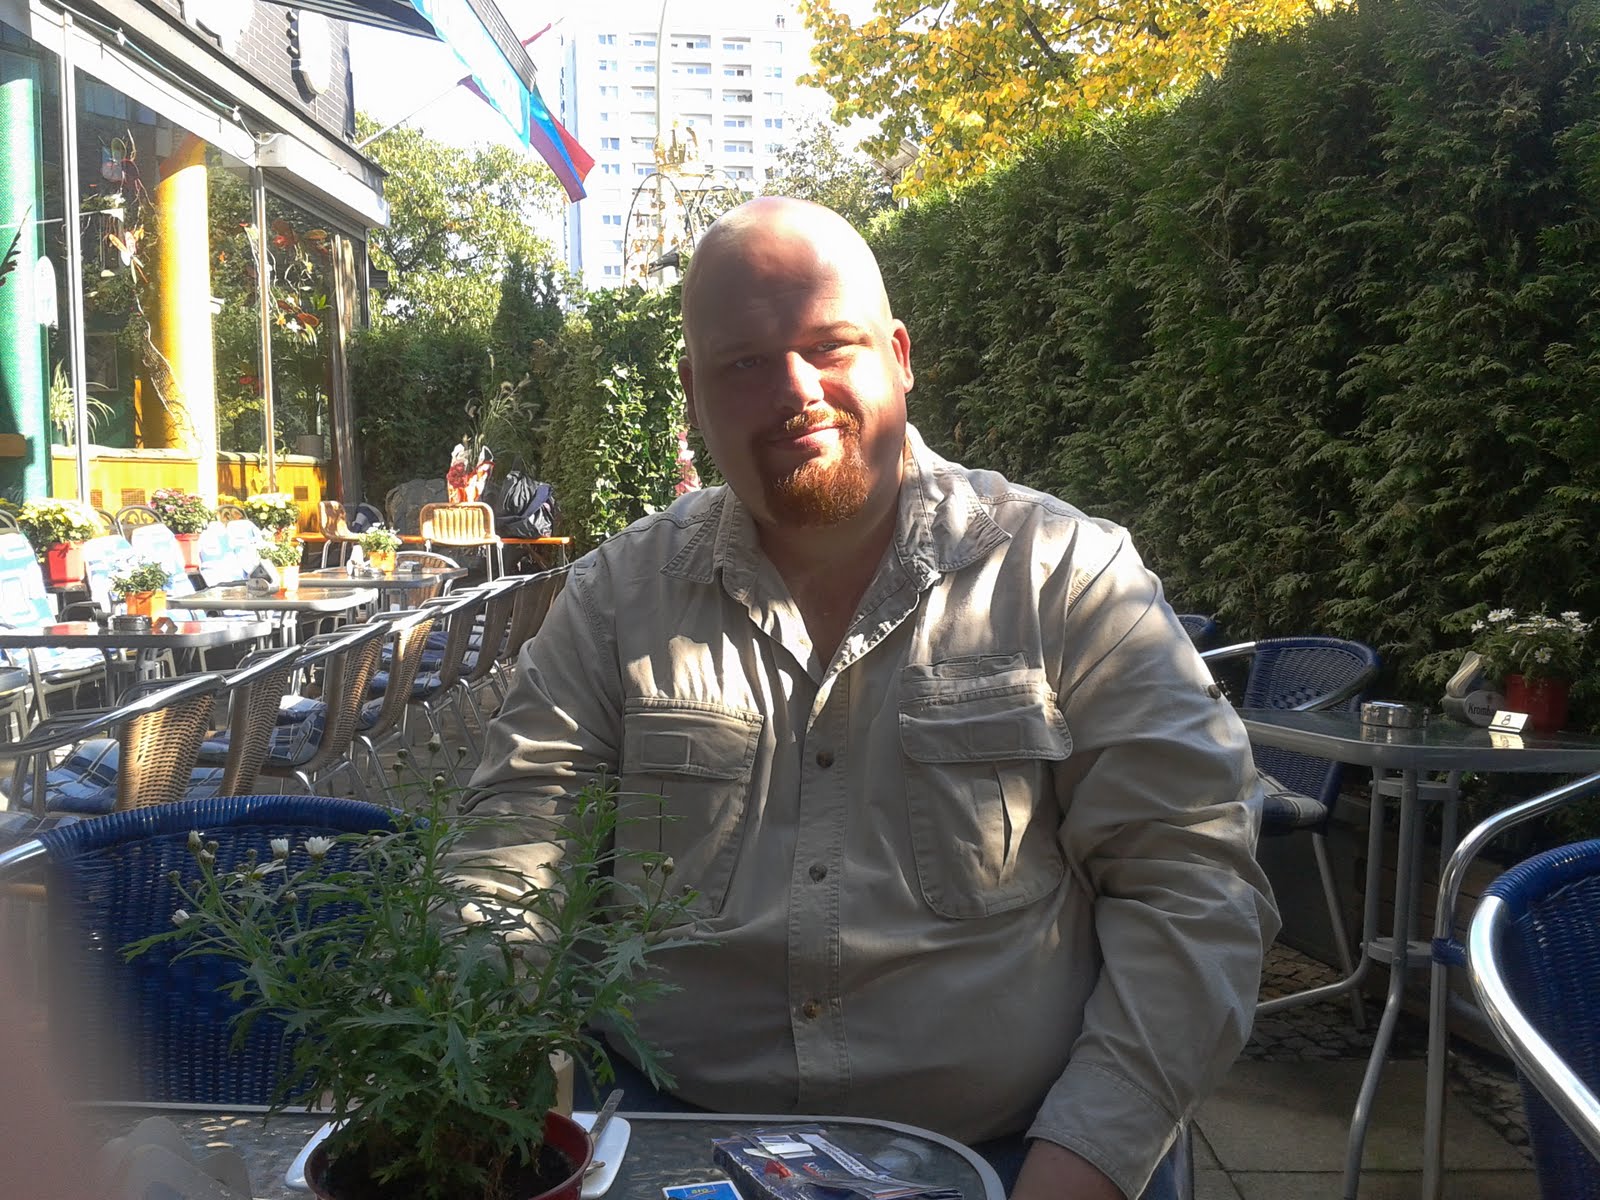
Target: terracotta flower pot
{"type": "Point", "coordinates": [147, 604]}
{"type": "Point", "coordinates": [63, 563]}
{"type": "Point", "coordinates": [189, 543]}
{"type": "Point", "coordinates": [563, 1133]}
{"type": "Point", "coordinates": [1544, 700]}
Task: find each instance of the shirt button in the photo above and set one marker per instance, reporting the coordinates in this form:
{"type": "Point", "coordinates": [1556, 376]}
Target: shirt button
{"type": "Point", "coordinates": [824, 758]}
{"type": "Point", "coordinates": [811, 1010]}
{"type": "Point", "coordinates": [819, 872]}
{"type": "Point", "coordinates": [1214, 691]}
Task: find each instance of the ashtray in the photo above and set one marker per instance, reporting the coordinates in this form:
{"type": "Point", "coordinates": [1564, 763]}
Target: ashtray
{"type": "Point", "coordinates": [1387, 714]}
{"type": "Point", "coordinates": [125, 623]}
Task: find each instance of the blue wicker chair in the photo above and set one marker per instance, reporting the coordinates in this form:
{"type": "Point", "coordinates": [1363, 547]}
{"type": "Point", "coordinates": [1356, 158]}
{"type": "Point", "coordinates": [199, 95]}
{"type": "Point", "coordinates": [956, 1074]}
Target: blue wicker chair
{"type": "Point", "coordinates": [1304, 674]}
{"type": "Point", "coordinates": [1200, 628]}
{"type": "Point", "coordinates": [1533, 952]}
{"type": "Point", "coordinates": [157, 1028]}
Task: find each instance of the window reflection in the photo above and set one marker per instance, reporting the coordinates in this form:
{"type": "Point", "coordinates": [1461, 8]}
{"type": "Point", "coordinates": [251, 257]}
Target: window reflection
{"type": "Point", "coordinates": [302, 251]}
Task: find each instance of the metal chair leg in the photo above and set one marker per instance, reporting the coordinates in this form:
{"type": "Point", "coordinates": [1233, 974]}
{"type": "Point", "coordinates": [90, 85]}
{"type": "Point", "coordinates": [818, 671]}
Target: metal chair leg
{"type": "Point", "coordinates": [1330, 894]}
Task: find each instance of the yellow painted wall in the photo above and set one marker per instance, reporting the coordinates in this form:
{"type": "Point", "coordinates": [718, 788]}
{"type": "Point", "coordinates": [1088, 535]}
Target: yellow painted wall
{"type": "Point", "coordinates": [127, 477]}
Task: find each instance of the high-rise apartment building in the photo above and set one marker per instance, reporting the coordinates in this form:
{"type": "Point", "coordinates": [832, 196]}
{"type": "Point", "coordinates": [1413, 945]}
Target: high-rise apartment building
{"type": "Point", "coordinates": [715, 79]}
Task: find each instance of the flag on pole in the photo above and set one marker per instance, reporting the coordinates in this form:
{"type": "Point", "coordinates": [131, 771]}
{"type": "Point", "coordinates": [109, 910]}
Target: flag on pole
{"type": "Point", "coordinates": [493, 78]}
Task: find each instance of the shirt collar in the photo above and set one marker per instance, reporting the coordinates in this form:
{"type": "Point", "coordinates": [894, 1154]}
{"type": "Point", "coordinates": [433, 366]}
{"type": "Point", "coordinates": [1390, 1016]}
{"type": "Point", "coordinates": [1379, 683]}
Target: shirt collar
{"type": "Point", "coordinates": [941, 526]}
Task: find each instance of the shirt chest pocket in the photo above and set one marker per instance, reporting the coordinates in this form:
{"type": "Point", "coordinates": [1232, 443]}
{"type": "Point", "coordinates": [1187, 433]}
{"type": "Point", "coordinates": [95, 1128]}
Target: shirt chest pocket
{"type": "Point", "coordinates": [983, 816]}
{"type": "Point", "coordinates": [697, 758]}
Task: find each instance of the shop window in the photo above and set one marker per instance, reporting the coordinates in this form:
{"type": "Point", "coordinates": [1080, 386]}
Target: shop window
{"type": "Point", "coordinates": [35, 339]}
{"type": "Point", "coordinates": [301, 318]}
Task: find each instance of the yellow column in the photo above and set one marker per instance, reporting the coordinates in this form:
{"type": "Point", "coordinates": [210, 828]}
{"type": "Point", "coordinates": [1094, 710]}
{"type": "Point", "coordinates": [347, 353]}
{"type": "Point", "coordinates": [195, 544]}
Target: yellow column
{"type": "Point", "coordinates": [181, 323]}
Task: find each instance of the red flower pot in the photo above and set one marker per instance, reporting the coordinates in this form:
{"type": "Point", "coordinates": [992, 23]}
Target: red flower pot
{"type": "Point", "coordinates": [1544, 700]}
{"type": "Point", "coordinates": [63, 564]}
{"type": "Point", "coordinates": [562, 1133]}
{"type": "Point", "coordinates": [189, 543]}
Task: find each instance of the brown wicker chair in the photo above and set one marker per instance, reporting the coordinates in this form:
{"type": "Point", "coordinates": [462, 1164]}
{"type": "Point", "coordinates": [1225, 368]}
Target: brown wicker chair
{"type": "Point", "coordinates": [383, 720]}
{"type": "Point", "coordinates": [463, 525]}
{"type": "Point", "coordinates": [534, 599]}
{"type": "Point", "coordinates": [335, 530]}
{"type": "Point", "coordinates": [255, 691]}
{"type": "Point", "coordinates": [148, 760]}
{"type": "Point", "coordinates": [493, 633]}
{"type": "Point", "coordinates": [311, 739]}
{"type": "Point", "coordinates": [443, 685]}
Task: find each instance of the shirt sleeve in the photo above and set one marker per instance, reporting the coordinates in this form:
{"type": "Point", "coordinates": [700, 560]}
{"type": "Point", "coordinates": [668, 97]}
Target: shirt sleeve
{"type": "Point", "coordinates": [559, 727]}
{"type": "Point", "coordinates": [1160, 816]}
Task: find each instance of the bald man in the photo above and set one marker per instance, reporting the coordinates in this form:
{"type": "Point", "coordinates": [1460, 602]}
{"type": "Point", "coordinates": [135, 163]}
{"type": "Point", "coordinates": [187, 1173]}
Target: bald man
{"type": "Point", "coordinates": [971, 831]}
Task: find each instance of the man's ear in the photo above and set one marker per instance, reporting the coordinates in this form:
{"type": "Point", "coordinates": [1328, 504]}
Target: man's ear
{"type": "Point", "coordinates": [686, 378]}
{"type": "Point", "coordinates": [902, 352]}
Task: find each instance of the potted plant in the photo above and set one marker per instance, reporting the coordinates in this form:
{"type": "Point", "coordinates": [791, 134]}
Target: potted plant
{"type": "Point", "coordinates": [429, 1038]}
{"type": "Point", "coordinates": [1535, 658]}
{"type": "Point", "coordinates": [187, 515]}
{"type": "Point", "coordinates": [284, 554]}
{"type": "Point", "coordinates": [273, 511]}
{"type": "Point", "coordinates": [380, 546]}
{"type": "Point", "coordinates": [143, 589]}
{"type": "Point", "coordinates": [57, 529]}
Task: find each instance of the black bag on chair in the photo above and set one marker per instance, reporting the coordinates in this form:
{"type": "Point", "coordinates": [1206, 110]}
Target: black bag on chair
{"type": "Point", "coordinates": [526, 508]}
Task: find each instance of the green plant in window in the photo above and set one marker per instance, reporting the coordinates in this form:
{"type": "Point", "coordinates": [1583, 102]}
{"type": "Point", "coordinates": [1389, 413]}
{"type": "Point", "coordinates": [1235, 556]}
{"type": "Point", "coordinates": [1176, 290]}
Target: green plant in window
{"type": "Point", "coordinates": [63, 413]}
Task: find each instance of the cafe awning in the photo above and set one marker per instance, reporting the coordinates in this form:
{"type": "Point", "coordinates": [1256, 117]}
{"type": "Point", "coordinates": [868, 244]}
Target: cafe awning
{"type": "Point", "coordinates": [498, 66]}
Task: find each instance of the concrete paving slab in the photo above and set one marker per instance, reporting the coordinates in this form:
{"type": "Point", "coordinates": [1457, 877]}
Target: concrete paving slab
{"type": "Point", "coordinates": [1214, 1185]}
{"type": "Point", "coordinates": [1205, 1158]}
{"type": "Point", "coordinates": [1283, 1116]}
{"type": "Point", "coordinates": [1389, 1185]}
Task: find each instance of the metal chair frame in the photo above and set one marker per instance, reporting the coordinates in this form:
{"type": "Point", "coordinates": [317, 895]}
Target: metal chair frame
{"type": "Point", "coordinates": [469, 525]}
{"type": "Point", "coordinates": [533, 601]}
{"type": "Point", "coordinates": [160, 732]}
{"type": "Point", "coordinates": [1268, 656]}
{"type": "Point", "coordinates": [131, 516]}
{"type": "Point", "coordinates": [459, 612]}
{"type": "Point", "coordinates": [1449, 951]}
{"type": "Point", "coordinates": [1516, 920]}
{"type": "Point", "coordinates": [348, 656]}
{"type": "Point", "coordinates": [409, 630]}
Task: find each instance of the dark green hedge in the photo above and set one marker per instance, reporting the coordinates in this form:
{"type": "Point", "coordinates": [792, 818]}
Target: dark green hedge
{"type": "Point", "coordinates": [1323, 334]}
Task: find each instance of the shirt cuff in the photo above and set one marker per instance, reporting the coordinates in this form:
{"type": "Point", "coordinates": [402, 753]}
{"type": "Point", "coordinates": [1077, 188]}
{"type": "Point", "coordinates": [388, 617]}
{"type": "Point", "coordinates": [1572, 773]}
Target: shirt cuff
{"type": "Point", "coordinates": [1108, 1120]}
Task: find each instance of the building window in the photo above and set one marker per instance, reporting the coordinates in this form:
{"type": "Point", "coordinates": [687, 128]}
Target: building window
{"type": "Point", "coordinates": [617, 245]}
{"type": "Point", "coordinates": [682, 94]}
{"type": "Point", "coordinates": [773, 147]}
{"type": "Point", "coordinates": [605, 118]}
{"type": "Point", "coordinates": [643, 169]}
{"type": "Point", "coordinates": [644, 68]}
{"type": "Point", "coordinates": [741, 172]}
{"type": "Point", "coordinates": [611, 168]}
{"type": "Point", "coordinates": [735, 122]}
{"type": "Point", "coordinates": [607, 39]}
{"type": "Point", "coordinates": [772, 72]}
{"type": "Point", "coordinates": [605, 64]}
{"type": "Point", "coordinates": [729, 97]}
{"type": "Point", "coordinates": [610, 143]}
{"type": "Point", "coordinates": [736, 45]}
{"type": "Point", "coordinates": [773, 47]}
{"type": "Point", "coordinates": [645, 41]}
{"type": "Point", "coordinates": [646, 119]}
{"type": "Point", "coordinates": [774, 122]}
{"type": "Point", "coordinates": [643, 143]}
{"type": "Point", "coordinates": [609, 90]}
{"type": "Point", "coordinates": [775, 98]}
{"type": "Point", "coordinates": [691, 68]}
{"type": "Point", "coordinates": [736, 72]}
{"type": "Point", "coordinates": [644, 93]}
{"type": "Point", "coordinates": [611, 218]}
{"type": "Point", "coordinates": [697, 120]}
{"type": "Point", "coordinates": [691, 41]}
{"type": "Point", "coordinates": [611, 271]}
{"type": "Point", "coordinates": [737, 147]}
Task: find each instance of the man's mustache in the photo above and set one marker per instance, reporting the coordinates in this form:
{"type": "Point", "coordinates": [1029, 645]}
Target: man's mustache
{"type": "Point", "coordinates": [809, 422]}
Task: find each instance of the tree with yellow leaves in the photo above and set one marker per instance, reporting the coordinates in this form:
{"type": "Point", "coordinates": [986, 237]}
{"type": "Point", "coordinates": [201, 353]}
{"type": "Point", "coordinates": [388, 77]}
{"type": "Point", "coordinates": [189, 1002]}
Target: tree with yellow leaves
{"type": "Point", "coordinates": [969, 81]}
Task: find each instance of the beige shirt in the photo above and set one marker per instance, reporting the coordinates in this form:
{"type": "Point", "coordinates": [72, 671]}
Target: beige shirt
{"type": "Point", "coordinates": [991, 865]}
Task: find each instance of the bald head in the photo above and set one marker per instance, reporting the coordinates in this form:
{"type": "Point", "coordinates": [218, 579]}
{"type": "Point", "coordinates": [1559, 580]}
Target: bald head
{"type": "Point", "coordinates": [758, 245]}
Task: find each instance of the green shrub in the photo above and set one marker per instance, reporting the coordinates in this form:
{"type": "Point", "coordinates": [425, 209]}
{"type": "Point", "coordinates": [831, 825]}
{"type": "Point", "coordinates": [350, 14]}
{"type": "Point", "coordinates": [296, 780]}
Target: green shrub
{"type": "Point", "coordinates": [1321, 334]}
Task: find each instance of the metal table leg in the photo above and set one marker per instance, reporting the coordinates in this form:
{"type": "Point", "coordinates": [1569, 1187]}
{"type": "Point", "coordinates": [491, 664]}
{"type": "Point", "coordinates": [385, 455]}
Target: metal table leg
{"type": "Point", "coordinates": [1408, 856]}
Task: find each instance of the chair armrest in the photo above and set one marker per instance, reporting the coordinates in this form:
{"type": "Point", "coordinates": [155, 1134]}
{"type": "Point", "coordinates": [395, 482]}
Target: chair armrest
{"type": "Point", "coordinates": [1238, 650]}
{"type": "Point", "coordinates": [77, 727]}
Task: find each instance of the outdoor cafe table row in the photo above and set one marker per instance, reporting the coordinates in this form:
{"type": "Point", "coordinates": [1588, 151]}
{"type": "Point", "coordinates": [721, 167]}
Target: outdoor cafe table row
{"type": "Point", "coordinates": [235, 597]}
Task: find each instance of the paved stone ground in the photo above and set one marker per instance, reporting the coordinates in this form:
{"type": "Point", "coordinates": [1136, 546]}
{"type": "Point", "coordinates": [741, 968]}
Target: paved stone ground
{"type": "Point", "coordinates": [1325, 1031]}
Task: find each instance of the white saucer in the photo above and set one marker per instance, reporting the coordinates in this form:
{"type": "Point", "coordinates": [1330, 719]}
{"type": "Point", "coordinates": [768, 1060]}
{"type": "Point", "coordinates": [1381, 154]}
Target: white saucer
{"type": "Point", "coordinates": [613, 1145]}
